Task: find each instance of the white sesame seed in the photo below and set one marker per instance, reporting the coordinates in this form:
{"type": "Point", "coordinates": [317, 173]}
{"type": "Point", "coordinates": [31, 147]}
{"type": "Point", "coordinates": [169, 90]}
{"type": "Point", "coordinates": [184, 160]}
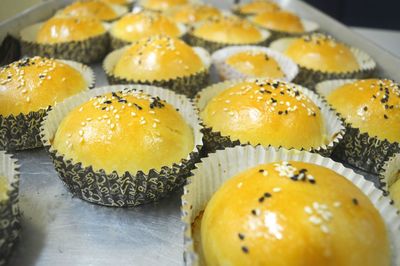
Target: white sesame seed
{"type": "Point", "coordinates": [308, 210]}
{"type": "Point", "coordinates": [324, 228]}
{"type": "Point", "coordinates": [276, 189]}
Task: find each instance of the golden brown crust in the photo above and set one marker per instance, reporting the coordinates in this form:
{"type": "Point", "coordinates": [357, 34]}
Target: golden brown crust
{"type": "Point", "coordinates": [35, 83]}
{"type": "Point", "coordinates": [266, 113]}
{"type": "Point", "coordinates": [158, 58]}
{"type": "Point", "coordinates": [135, 26]}
{"type": "Point", "coordinates": [323, 53]}
{"type": "Point", "coordinates": [61, 29]}
{"type": "Point", "coordinates": [191, 13]}
{"type": "Point", "coordinates": [124, 131]}
{"type": "Point", "coordinates": [292, 213]}
{"type": "Point", "coordinates": [371, 105]}
{"type": "Point", "coordinates": [229, 30]}
{"type": "Point", "coordinates": [91, 8]}
{"type": "Point", "coordinates": [279, 21]}
{"type": "Point", "coordinates": [257, 6]}
{"type": "Point", "coordinates": [161, 5]}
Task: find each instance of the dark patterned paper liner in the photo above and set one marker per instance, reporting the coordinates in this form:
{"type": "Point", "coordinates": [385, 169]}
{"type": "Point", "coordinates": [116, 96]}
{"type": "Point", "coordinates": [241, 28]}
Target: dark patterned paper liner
{"type": "Point", "coordinates": [309, 77]}
{"type": "Point", "coordinates": [21, 132]}
{"type": "Point", "coordinates": [9, 210]}
{"type": "Point", "coordinates": [389, 175]}
{"type": "Point", "coordinates": [117, 43]}
{"type": "Point", "coordinates": [215, 140]}
{"type": "Point", "coordinates": [357, 148]}
{"type": "Point", "coordinates": [212, 46]}
{"type": "Point", "coordinates": [225, 71]}
{"type": "Point", "coordinates": [187, 85]}
{"type": "Point", "coordinates": [91, 50]}
{"type": "Point", "coordinates": [227, 163]}
{"type": "Point", "coordinates": [121, 189]}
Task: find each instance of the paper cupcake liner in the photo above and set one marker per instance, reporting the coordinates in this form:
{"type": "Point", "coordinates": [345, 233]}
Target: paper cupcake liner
{"type": "Point", "coordinates": [87, 51]}
{"type": "Point", "coordinates": [357, 148]}
{"type": "Point", "coordinates": [212, 46]}
{"type": "Point", "coordinates": [9, 210]}
{"type": "Point", "coordinates": [118, 43]}
{"type": "Point", "coordinates": [309, 77]}
{"type": "Point", "coordinates": [214, 170]}
{"type": "Point", "coordinates": [21, 132]}
{"type": "Point", "coordinates": [187, 85]}
{"type": "Point", "coordinates": [225, 71]}
{"type": "Point", "coordinates": [121, 189]}
{"type": "Point", "coordinates": [215, 140]}
{"type": "Point", "coordinates": [389, 175]}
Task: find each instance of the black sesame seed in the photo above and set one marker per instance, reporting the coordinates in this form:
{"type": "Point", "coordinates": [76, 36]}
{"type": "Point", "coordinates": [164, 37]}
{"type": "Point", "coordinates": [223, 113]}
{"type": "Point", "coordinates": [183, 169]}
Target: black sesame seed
{"type": "Point", "coordinates": [253, 212]}
{"type": "Point", "coordinates": [280, 112]}
{"type": "Point", "coordinates": [261, 199]}
{"type": "Point", "coordinates": [245, 249]}
{"type": "Point", "coordinates": [107, 102]}
{"type": "Point", "coordinates": [241, 236]}
{"type": "Point", "coordinates": [355, 201]}
{"type": "Point", "coordinates": [261, 171]}
{"type": "Point", "coordinates": [365, 108]}
{"type": "Point", "coordinates": [385, 116]}
{"type": "Point", "coordinates": [312, 181]}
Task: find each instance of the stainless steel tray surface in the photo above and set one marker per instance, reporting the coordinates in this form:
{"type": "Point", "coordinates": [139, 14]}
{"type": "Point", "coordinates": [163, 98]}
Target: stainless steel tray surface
{"type": "Point", "coordinates": [58, 229]}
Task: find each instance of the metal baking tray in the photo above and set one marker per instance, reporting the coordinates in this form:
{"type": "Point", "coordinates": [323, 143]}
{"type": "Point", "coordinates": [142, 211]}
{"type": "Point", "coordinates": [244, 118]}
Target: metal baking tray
{"type": "Point", "coordinates": [58, 229]}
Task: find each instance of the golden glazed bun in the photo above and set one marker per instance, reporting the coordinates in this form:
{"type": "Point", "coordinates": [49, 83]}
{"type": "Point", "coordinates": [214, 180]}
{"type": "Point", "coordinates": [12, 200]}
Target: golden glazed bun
{"type": "Point", "coordinates": [158, 58]}
{"type": "Point", "coordinates": [279, 21]}
{"type": "Point", "coordinates": [32, 84]}
{"type": "Point", "coordinates": [255, 64]}
{"type": "Point", "coordinates": [117, 2]}
{"type": "Point", "coordinates": [257, 6]}
{"type": "Point", "coordinates": [191, 13]}
{"type": "Point", "coordinates": [267, 113]}
{"type": "Point", "coordinates": [322, 52]}
{"type": "Point", "coordinates": [264, 216]}
{"type": "Point", "coordinates": [67, 29]}
{"type": "Point", "coordinates": [228, 29]}
{"type": "Point", "coordinates": [134, 26]}
{"type": "Point", "coordinates": [124, 131]}
{"type": "Point", "coordinates": [162, 5]}
{"type": "Point", "coordinates": [91, 8]}
{"type": "Point", "coordinates": [372, 105]}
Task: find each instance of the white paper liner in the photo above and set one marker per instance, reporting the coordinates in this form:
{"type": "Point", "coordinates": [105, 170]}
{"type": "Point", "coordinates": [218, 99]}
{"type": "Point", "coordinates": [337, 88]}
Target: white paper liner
{"type": "Point", "coordinates": [334, 128]}
{"type": "Point", "coordinates": [390, 172]}
{"type": "Point", "coordinates": [363, 59]}
{"type": "Point", "coordinates": [185, 106]}
{"type": "Point", "coordinates": [214, 170]}
{"type": "Point", "coordinates": [111, 60]}
{"type": "Point", "coordinates": [219, 57]}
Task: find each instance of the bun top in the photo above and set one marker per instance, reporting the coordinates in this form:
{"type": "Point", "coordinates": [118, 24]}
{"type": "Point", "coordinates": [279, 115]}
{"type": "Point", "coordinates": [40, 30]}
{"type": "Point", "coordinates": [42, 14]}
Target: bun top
{"type": "Point", "coordinates": [91, 8]}
{"type": "Point", "coordinates": [31, 84]}
{"type": "Point", "coordinates": [322, 52]}
{"type": "Point", "coordinates": [372, 105]}
{"type": "Point", "coordinates": [279, 21]}
{"type": "Point", "coordinates": [266, 113]}
{"type": "Point", "coordinates": [124, 131]}
{"type": "Point", "coordinates": [161, 5]}
{"type": "Point", "coordinates": [134, 26]}
{"type": "Point", "coordinates": [228, 29]}
{"type": "Point", "coordinates": [158, 58]}
{"type": "Point", "coordinates": [292, 213]}
{"type": "Point", "coordinates": [67, 29]}
{"type": "Point", "coordinates": [191, 13]}
{"type": "Point", "coordinates": [257, 6]}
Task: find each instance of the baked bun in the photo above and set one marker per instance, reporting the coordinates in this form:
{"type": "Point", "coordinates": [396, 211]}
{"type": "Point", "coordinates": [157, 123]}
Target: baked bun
{"type": "Point", "coordinates": [191, 13]}
{"type": "Point", "coordinates": [161, 5]}
{"type": "Point", "coordinates": [134, 26]}
{"type": "Point", "coordinates": [267, 113]}
{"type": "Point", "coordinates": [256, 7]}
{"type": "Point", "coordinates": [31, 84]}
{"type": "Point", "coordinates": [255, 64]}
{"type": "Point", "coordinates": [292, 213]}
{"type": "Point", "coordinates": [323, 53]}
{"type": "Point", "coordinates": [158, 58]}
{"type": "Point", "coordinates": [67, 29]}
{"type": "Point", "coordinates": [124, 131]}
{"type": "Point", "coordinates": [91, 8]}
{"type": "Point", "coordinates": [228, 29]}
{"type": "Point", "coordinates": [279, 21]}
{"type": "Point", "coordinates": [118, 2]}
{"type": "Point", "coordinates": [372, 105]}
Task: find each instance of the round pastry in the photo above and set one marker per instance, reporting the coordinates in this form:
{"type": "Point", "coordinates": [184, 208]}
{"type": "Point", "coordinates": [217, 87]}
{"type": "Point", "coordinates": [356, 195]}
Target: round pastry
{"type": "Point", "coordinates": [192, 13]}
{"type": "Point", "coordinates": [256, 7]}
{"type": "Point", "coordinates": [82, 39]}
{"type": "Point", "coordinates": [29, 87]}
{"type": "Point", "coordinates": [135, 26]}
{"type": "Point", "coordinates": [94, 8]}
{"type": "Point", "coordinates": [9, 210]}
{"type": "Point", "coordinates": [371, 111]}
{"type": "Point", "coordinates": [167, 62]}
{"type": "Point", "coordinates": [118, 142]}
{"type": "Point", "coordinates": [161, 5]}
{"type": "Point", "coordinates": [120, 2]}
{"type": "Point", "coordinates": [329, 221]}
{"type": "Point", "coordinates": [139, 131]}
{"type": "Point", "coordinates": [321, 57]}
{"type": "Point", "coordinates": [221, 31]}
{"type": "Point", "coordinates": [390, 176]}
{"type": "Point", "coordinates": [279, 21]}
